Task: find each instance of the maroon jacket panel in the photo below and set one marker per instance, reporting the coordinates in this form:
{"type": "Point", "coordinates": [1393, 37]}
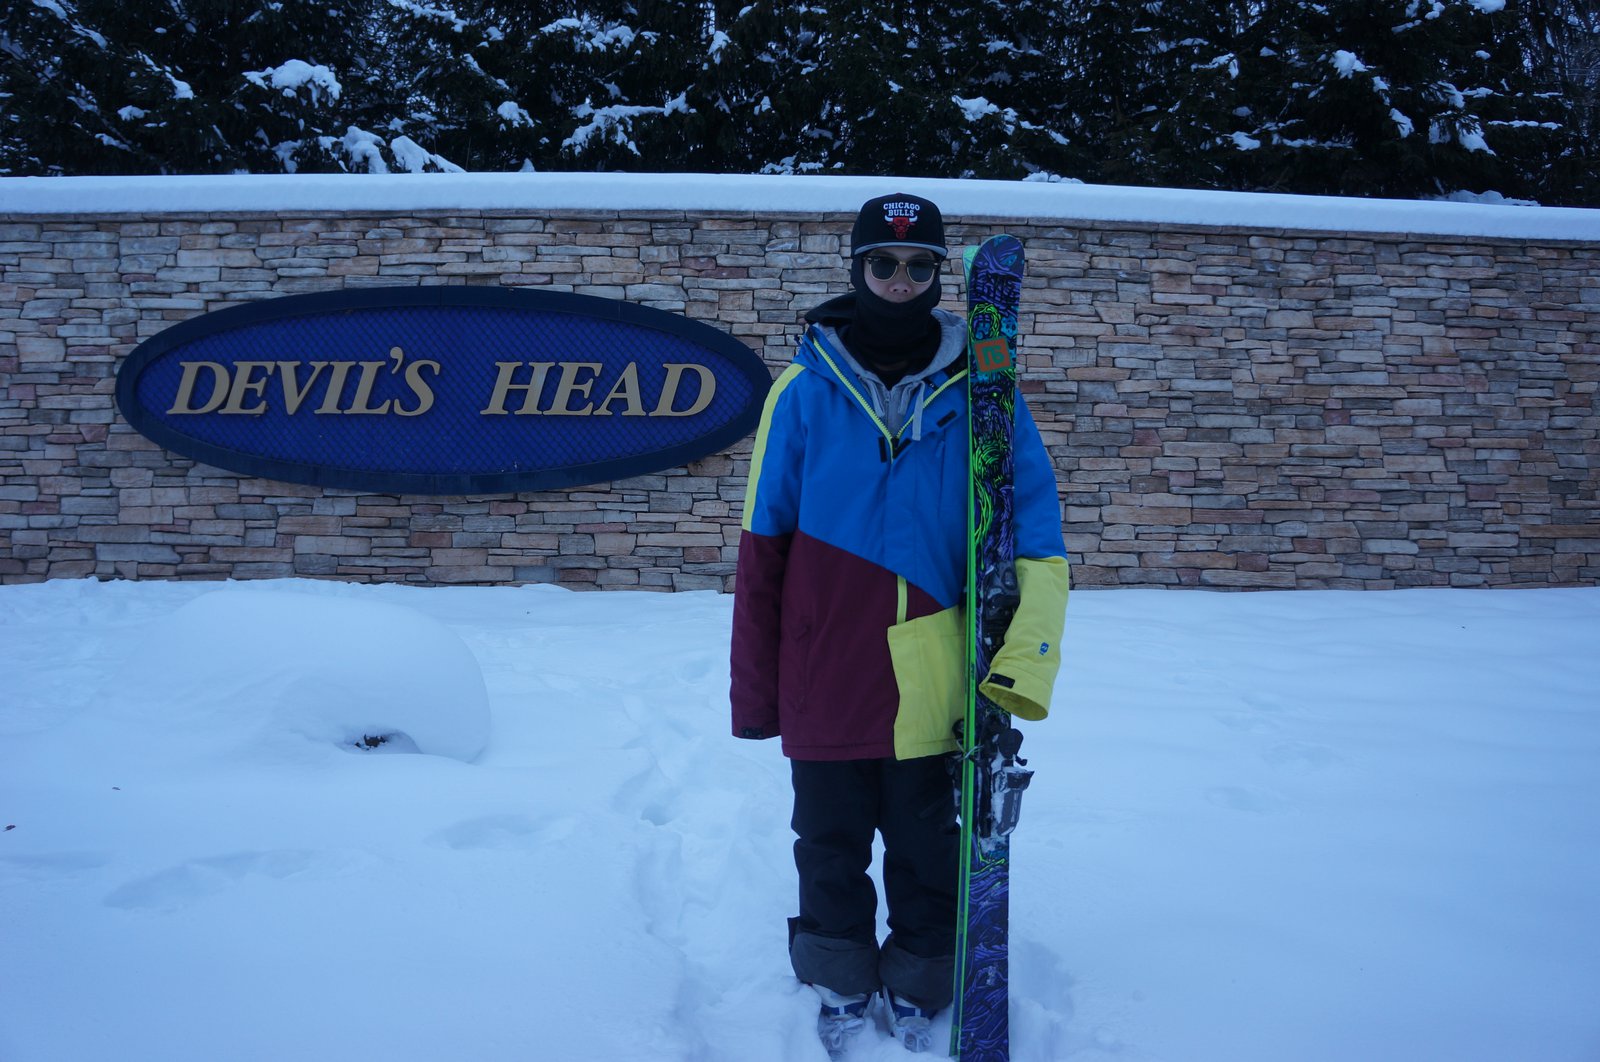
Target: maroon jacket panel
{"type": "Point", "coordinates": [810, 654]}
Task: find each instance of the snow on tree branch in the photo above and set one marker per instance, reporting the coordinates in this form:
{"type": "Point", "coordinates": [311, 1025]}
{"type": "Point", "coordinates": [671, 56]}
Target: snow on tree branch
{"type": "Point", "coordinates": [297, 74]}
{"type": "Point", "coordinates": [613, 124]}
{"type": "Point", "coordinates": [436, 14]}
{"type": "Point", "coordinates": [1346, 63]}
{"type": "Point", "coordinates": [592, 35]}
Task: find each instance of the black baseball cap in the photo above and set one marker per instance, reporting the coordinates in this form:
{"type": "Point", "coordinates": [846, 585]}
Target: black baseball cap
{"type": "Point", "coordinates": [898, 220]}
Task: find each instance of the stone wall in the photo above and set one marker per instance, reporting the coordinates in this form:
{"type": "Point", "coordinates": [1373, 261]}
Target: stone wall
{"type": "Point", "coordinates": [1226, 407]}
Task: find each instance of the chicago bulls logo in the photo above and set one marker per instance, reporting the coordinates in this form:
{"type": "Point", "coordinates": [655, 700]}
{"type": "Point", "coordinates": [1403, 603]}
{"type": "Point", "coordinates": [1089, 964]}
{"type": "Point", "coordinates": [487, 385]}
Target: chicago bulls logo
{"type": "Point", "coordinates": [900, 217]}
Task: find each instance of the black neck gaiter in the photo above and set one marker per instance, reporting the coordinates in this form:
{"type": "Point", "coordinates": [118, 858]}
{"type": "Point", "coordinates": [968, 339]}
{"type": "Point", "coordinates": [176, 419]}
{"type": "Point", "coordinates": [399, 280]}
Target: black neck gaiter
{"type": "Point", "coordinates": [893, 339]}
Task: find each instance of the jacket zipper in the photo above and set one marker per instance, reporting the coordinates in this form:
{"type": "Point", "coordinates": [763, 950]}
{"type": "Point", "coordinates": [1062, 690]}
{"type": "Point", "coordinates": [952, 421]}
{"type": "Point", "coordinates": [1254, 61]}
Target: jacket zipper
{"type": "Point", "coordinates": [891, 438]}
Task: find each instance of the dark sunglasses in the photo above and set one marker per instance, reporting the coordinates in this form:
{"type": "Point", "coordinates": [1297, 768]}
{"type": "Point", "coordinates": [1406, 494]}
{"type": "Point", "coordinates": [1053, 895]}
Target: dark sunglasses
{"type": "Point", "coordinates": [920, 271]}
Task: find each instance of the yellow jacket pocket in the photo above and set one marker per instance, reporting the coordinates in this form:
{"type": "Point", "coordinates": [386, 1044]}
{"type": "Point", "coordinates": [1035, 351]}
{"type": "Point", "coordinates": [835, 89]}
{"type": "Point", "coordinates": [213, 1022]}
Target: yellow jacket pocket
{"type": "Point", "coordinates": [930, 667]}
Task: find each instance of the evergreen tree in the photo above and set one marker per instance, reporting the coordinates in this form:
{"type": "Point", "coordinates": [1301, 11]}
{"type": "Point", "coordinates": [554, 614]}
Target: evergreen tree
{"type": "Point", "coordinates": [1196, 52]}
{"type": "Point", "coordinates": [1558, 146]}
{"type": "Point", "coordinates": [1006, 60]}
{"type": "Point", "coordinates": [1363, 97]}
{"type": "Point", "coordinates": [932, 89]}
{"type": "Point", "coordinates": [70, 104]}
{"type": "Point", "coordinates": [437, 66]}
{"type": "Point", "coordinates": [1375, 97]}
{"type": "Point", "coordinates": [543, 85]}
{"type": "Point", "coordinates": [188, 86]}
{"type": "Point", "coordinates": [886, 103]}
{"type": "Point", "coordinates": [1111, 104]}
{"type": "Point", "coordinates": [757, 89]}
{"type": "Point", "coordinates": [629, 105]}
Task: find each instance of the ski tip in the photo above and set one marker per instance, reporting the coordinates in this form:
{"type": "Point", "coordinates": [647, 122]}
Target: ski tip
{"type": "Point", "coordinates": [969, 253]}
{"type": "Point", "coordinates": [1006, 244]}
{"type": "Point", "coordinates": [1002, 245]}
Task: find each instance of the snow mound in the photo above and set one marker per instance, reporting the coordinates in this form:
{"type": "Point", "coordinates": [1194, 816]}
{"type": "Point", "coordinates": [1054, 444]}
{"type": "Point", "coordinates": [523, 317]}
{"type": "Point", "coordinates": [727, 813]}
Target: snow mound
{"type": "Point", "coordinates": [258, 666]}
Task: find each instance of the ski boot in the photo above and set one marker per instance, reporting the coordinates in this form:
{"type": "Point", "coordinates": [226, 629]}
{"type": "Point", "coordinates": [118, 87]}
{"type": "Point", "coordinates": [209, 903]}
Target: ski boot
{"type": "Point", "coordinates": [909, 1024]}
{"type": "Point", "coordinates": [841, 1018]}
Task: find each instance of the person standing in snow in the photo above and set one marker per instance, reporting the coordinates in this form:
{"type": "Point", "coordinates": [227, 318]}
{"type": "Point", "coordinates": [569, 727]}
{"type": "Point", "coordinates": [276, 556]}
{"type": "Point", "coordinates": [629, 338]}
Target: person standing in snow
{"type": "Point", "coordinates": [848, 638]}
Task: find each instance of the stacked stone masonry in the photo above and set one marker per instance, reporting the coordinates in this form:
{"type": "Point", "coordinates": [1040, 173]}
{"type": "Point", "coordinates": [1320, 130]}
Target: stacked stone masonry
{"type": "Point", "coordinates": [1226, 408]}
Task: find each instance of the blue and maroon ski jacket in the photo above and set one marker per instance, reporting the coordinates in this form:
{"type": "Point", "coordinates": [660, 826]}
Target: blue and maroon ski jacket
{"type": "Point", "coordinates": [848, 638]}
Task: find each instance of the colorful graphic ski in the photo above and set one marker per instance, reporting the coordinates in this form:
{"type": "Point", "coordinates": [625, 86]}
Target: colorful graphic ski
{"type": "Point", "coordinates": [992, 776]}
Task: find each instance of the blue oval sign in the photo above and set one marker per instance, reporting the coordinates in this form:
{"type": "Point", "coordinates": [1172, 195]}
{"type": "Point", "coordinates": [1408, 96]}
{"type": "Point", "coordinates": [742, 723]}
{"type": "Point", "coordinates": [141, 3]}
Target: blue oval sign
{"type": "Point", "coordinates": [443, 390]}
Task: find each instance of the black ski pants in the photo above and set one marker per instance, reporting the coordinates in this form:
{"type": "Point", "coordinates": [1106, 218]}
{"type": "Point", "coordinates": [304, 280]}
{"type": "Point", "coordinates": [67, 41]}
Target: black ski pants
{"type": "Point", "coordinates": [838, 807]}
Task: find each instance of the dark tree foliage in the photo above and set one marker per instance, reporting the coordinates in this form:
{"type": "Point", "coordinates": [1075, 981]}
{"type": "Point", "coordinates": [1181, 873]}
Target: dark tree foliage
{"type": "Point", "coordinates": [1401, 98]}
{"type": "Point", "coordinates": [756, 88]}
{"type": "Point", "coordinates": [1378, 97]}
{"type": "Point", "coordinates": [1561, 56]}
{"type": "Point", "coordinates": [181, 86]}
{"type": "Point", "coordinates": [542, 85]}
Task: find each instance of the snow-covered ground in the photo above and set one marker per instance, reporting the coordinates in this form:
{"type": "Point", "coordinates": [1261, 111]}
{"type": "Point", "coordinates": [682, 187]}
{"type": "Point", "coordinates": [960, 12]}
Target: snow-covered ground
{"type": "Point", "coordinates": [1270, 827]}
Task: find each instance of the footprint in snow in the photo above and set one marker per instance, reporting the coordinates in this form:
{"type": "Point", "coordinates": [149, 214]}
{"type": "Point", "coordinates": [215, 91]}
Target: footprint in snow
{"type": "Point", "coordinates": [698, 668]}
{"type": "Point", "coordinates": [499, 832]}
{"type": "Point", "coordinates": [49, 867]}
{"type": "Point", "coordinates": [1300, 758]}
{"type": "Point", "coordinates": [1238, 798]}
{"type": "Point", "coordinates": [1246, 722]}
{"type": "Point", "coordinates": [186, 883]}
{"type": "Point", "coordinates": [1264, 702]}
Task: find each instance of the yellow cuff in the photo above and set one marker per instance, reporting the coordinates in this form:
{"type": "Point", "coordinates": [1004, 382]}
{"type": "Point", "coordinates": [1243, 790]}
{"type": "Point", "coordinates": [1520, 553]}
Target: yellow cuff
{"type": "Point", "coordinates": [1024, 699]}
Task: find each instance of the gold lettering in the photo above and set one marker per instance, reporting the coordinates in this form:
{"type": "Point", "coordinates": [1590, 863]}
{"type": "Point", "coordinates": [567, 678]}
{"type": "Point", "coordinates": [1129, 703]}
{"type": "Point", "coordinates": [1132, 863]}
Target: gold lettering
{"type": "Point", "coordinates": [191, 371]}
{"type": "Point", "coordinates": [245, 386]}
{"type": "Point", "coordinates": [364, 386]}
{"type": "Point", "coordinates": [293, 393]}
{"type": "Point", "coordinates": [419, 387]}
{"type": "Point", "coordinates": [530, 391]}
{"type": "Point", "coordinates": [669, 391]}
{"type": "Point", "coordinates": [626, 390]}
{"type": "Point", "coordinates": [570, 385]}
{"type": "Point", "coordinates": [330, 400]}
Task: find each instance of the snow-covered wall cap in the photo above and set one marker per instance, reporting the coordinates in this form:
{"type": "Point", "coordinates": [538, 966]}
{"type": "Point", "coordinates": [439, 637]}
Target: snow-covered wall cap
{"type": "Point", "coordinates": [701, 193]}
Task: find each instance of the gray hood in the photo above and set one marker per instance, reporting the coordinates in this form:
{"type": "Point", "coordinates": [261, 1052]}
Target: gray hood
{"type": "Point", "coordinates": [895, 405]}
